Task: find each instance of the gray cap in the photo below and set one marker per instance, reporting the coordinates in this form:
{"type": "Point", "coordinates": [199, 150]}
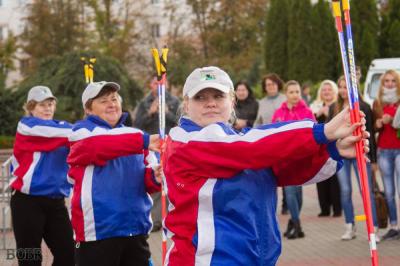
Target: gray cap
{"type": "Point", "coordinates": [207, 77]}
{"type": "Point", "coordinates": [93, 89]}
{"type": "Point", "coordinates": [39, 94]}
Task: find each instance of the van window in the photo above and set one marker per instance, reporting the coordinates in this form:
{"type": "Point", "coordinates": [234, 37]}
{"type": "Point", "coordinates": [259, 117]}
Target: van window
{"type": "Point", "coordinates": [373, 87]}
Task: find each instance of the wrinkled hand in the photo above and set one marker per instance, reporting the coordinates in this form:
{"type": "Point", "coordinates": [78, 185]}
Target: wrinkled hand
{"type": "Point", "coordinates": [347, 148]}
{"type": "Point", "coordinates": [158, 173]}
{"type": "Point", "coordinates": [340, 126]}
{"type": "Point", "coordinates": [154, 144]}
{"type": "Point", "coordinates": [386, 119]}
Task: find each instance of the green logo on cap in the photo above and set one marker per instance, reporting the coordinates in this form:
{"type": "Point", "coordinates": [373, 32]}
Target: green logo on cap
{"type": "Point", "coordinates": [207, 75]}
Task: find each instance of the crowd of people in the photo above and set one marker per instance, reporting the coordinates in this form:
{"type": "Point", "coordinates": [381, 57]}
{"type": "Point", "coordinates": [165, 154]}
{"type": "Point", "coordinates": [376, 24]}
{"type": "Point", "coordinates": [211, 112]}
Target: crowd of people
{"type": "Point", "coordinates": [224, 158]}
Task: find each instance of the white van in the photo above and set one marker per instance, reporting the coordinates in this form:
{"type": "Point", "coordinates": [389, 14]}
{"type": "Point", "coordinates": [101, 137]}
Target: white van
{"type": "Point", "coordinates": [376, 69]}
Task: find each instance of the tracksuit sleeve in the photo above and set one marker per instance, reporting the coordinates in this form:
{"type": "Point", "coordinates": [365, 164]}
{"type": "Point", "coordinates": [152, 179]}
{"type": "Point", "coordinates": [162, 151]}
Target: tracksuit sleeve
{"type": "Point", "coordinates": [36, 135]}
{"type": "Point", "coordinates": [150, 161]}
{"type": "Point", "coordinates": [213, 153]}
{"type": "Point", "coordinates": [99, 149]}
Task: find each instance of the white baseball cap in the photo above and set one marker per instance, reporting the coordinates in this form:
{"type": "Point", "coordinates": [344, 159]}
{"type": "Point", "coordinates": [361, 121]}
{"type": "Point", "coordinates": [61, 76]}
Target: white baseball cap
{"type": "Point", "coordinates": [94, 88]}
{"type": "Point", "coordinates": [40, 93]}
{"type": "Point", "coordinates": [207, 77]}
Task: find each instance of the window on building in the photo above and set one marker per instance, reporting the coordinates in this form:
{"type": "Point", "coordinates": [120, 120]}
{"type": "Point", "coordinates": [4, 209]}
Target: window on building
{"type": "Point", "coordinates": [155, 30]}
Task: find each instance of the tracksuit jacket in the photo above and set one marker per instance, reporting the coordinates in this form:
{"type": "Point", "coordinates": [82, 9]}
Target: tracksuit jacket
{"type": "Point", "coordinates": [112, 174]}
{"type": "Point", "coordinates": [222, 188]}
{"type": "Point", "coordinates": [39, 157]}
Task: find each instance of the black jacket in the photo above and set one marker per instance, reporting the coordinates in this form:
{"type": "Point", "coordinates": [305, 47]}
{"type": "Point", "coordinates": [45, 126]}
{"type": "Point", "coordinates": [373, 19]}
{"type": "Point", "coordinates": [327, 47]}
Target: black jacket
{"type": "Point", "coordinates": [150, 123]}
{"type": "Point", "coordinates": [247, 110]}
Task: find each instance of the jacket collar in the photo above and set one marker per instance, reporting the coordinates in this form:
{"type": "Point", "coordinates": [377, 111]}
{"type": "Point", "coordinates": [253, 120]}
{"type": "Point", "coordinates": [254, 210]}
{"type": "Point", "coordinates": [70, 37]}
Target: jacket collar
{"type": "Point", "coordinates": [98, 121]}
{"type": "Point", "coordinates": [191, 126]}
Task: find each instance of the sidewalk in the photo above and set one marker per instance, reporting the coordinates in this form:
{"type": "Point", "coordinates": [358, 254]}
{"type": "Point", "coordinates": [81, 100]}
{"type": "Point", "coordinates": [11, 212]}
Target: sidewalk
{"type": "Point", "coordinates": [321, 246]}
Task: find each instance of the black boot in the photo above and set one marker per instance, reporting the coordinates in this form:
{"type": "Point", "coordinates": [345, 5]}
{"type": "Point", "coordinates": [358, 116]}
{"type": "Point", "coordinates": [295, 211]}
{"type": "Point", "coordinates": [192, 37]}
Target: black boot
{"type": "Point", "coordinates": [296, 232]}
{"type": "Point", "coordinates": [289, 228]}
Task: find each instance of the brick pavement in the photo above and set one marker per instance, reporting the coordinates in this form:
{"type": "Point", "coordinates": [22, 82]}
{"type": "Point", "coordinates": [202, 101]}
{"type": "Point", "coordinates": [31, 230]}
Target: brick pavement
{"type": "Point", "coordinates": [321, 246]}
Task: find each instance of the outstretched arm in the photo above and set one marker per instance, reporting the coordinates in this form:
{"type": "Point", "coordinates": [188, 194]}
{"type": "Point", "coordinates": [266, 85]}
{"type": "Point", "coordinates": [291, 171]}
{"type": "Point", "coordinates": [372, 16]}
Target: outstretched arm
{"type": "Point", "coordinates": [100, 146]}
{"type": "Point", "coordinates": [35, 134]}
{"type": "Point", "coordinates": [213, 153]}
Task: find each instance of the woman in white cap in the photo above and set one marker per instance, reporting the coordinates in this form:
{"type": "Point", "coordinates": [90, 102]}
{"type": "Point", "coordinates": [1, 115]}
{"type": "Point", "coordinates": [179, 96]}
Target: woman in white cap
{"type": "Point", "coordinates": [113, 172]}
{"type": "Point", "coordinates": [222, 184]}
{"type": "Point", "coordinates": [40, 182]}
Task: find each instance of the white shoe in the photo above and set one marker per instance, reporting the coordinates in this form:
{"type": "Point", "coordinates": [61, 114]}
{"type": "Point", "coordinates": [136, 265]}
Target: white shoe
{"type": "Point", "coordinates": [350, 232]}
{"type": "Point", "coordinates": [377, 238]}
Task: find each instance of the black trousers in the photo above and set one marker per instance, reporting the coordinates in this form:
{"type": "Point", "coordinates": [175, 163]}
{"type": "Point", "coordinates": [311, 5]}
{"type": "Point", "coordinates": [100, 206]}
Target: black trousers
{"type": "Point", "coordinates": [329, 196]}
{"type": "Point", "coordinates": [35, 218]}
{"type": "Point", "coordinates": [117, 251]}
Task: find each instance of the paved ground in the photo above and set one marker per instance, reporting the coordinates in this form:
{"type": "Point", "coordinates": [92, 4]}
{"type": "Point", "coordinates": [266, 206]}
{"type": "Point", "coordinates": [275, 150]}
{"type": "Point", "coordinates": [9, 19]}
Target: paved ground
{"type": "Point", "coordinates": [321, 246]}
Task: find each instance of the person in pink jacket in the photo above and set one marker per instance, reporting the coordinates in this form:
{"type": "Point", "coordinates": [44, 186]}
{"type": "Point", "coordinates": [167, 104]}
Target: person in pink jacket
{"type": "Point", "coordinates": [293, 109]}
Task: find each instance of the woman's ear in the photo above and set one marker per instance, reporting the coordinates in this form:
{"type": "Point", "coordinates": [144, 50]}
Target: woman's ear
{"type": "Point", "coordinates": [185, 106]}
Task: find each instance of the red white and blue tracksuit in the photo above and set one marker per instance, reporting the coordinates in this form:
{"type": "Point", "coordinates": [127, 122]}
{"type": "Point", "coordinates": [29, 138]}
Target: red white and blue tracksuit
{"type": "Point", "coordinates": [112, 174]}
{"type": "Point", "coordinates": [40, 185]}
{"type": "Point", "coordinates": [222, 188]}
{"type": "Point", "coordinates": [39, 158]}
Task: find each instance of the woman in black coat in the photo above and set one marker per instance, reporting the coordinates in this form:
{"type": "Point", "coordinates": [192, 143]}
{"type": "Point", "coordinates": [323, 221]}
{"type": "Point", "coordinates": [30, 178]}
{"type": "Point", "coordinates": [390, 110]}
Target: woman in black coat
{"type": "Point", "coordinates": [246, 106]}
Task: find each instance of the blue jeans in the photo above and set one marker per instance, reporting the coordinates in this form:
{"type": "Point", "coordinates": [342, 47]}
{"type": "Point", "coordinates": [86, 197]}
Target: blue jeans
{"type": "Point", "coordinates": [389, 164]}
{"type": "Point", "coordinates": [344, 176]}
{"type": "Point", "coordinates": [294, 201]}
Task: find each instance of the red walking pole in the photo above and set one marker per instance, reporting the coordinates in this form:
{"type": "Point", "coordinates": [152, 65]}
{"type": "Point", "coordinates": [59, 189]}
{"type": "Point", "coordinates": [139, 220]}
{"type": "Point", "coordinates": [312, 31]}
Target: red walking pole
{"type": "Point", "coordinates": [352, 89]}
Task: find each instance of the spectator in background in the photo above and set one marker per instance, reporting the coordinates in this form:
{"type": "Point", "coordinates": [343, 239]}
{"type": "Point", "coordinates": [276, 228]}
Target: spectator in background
{"type": "Point", "coordinates": [328, 190]}
{"type": "Point", "coordinates": [306, 93]}
{"type": "Point", "coordinates": [40, 183]}
{"type": "Point", "coordinates": [246, 107]}
{"type": "Point", "coordinates": [272, 86]}
{"type": "Point", "coordinates": [293, 109]}
{"type": "Point", "coordinates": [344, 174]}
{"type": "Point", "coordinates": [146, 118]}
{"type": "Point", "coordinates": [385, 107]}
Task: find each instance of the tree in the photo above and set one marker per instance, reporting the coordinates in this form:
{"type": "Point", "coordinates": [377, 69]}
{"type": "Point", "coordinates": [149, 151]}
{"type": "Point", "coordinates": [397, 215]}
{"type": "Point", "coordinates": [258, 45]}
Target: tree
{"type": "Point", "coordinates": [389, 42]}
{"type": "Point", "coordinates": [64, 75]}
{"type": "Point", "coordinates": [276, 57]}
{"type": "Point", "coordinates": [114, 30]}
{"type": "Point", "coordinates": [8, 48]}
{"type": "Point", "coordinates": [52, 28]}
{"type": "Point", "coordinates": [365, 26]}
{"type": "Point", "coordinates": [299, 47]}
{"type": "Point", "coordinates": [230, 33]}
{"type": "Point", "coordinates": [324, 42]}
{"type": "Point", "coordinates": [10, 111]}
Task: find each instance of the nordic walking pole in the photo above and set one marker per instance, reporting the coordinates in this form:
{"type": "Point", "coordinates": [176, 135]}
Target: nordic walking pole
{"type": "Point", "coordinates": [161, 67]}
{"type": "Point", "coordinates": [355, 114]}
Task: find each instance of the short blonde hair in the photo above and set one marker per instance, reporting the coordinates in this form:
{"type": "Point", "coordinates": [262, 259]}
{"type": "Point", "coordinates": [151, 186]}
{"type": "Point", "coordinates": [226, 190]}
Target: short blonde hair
{"type": "Point", "coordinates": [29, 106]}
{"type": "Point", "coordinates": [290, 83]}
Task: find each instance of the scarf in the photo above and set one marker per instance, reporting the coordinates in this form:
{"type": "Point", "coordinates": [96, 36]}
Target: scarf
{"type": "Point", "coordinates": [389, 95]}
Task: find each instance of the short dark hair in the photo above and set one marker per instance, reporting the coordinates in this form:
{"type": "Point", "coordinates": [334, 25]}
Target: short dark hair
{"type": "Point", "coordinates": [105, 91]}
{"type": "Point", "coordinates": [275, 78]}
